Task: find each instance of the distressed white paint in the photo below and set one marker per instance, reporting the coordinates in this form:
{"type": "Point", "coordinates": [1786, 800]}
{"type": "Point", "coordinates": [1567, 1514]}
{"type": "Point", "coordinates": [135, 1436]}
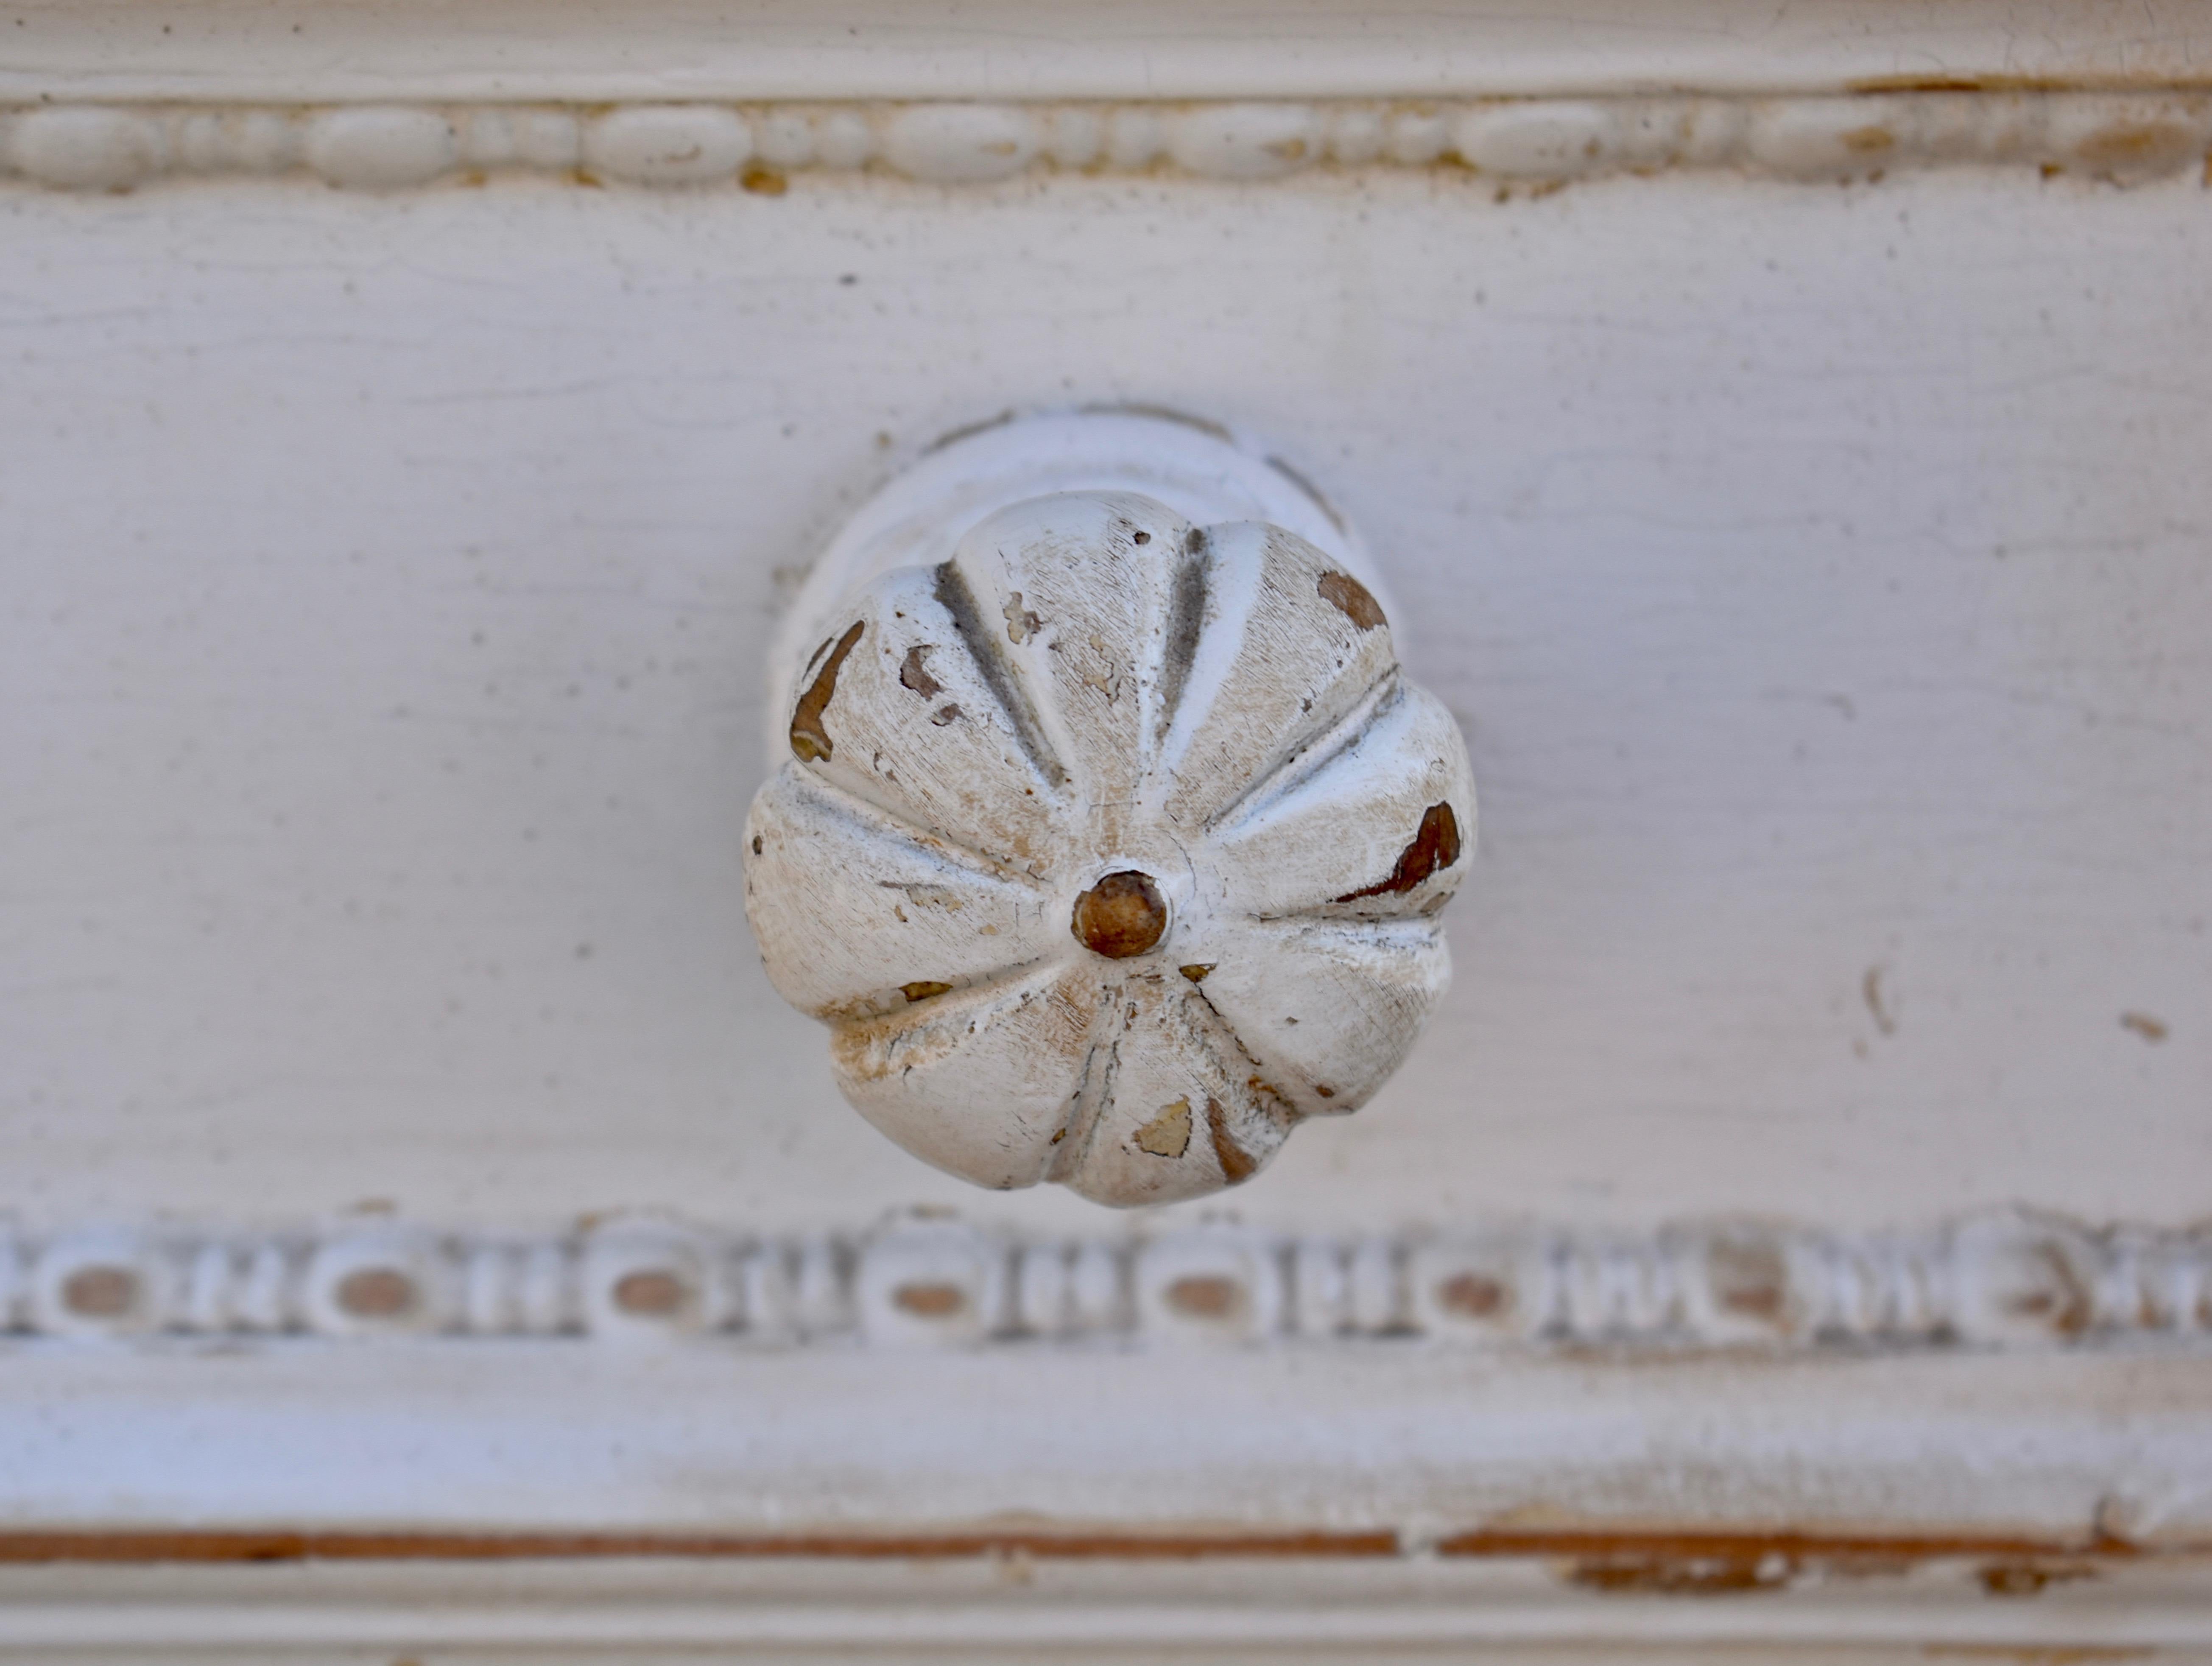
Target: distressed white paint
{"type": "Point", "coordinates": [662, 1611]}
{"type": "Point", "coordinates": [1816, 571]}
{"type": "Point", "coordinates": [1078, 697]}
{"type": "Point", "coordinates": [1519, 143]}
{"type": "Point", "coordinates": [1994, 1281]}
{"type": "Point", "coordinates": [376, 742]}
{"type": "Point", "coordinates": [1198, 468]}
{"type": "Point", "coordinates": [542, 1435]}
{"type": "Point", "coordinates": [288, 52]}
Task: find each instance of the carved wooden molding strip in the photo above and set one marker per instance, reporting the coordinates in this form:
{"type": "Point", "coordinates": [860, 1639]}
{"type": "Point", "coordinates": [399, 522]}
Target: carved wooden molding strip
{"type": "Point", "coordinates": [1513, 145]}
{"type": "Point", "coordinates": [1993, 1281]}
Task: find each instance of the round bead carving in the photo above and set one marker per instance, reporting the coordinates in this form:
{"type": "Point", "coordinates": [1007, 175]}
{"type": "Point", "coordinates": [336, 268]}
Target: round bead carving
{"type": "Point", "coordinates": [1121, 916]}
{"type": "Point", "coordinates": [1111, 848]}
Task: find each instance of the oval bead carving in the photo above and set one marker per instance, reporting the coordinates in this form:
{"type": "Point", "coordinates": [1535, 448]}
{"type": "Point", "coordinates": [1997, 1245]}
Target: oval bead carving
{"type": "Point", "coordinates": [1111, 848]}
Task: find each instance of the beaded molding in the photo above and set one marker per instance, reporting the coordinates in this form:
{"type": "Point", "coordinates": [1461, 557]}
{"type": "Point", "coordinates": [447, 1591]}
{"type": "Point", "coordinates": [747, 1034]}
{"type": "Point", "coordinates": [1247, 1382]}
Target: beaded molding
{"type": "Point", "coordinates": [2001, 1281]}
{"type": "Point", "coordinates": [1534, 143]}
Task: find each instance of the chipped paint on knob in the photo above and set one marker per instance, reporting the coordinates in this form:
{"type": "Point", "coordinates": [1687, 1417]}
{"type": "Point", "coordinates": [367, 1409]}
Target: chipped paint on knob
{"type": "Point", "coordinates": [1111, 848]}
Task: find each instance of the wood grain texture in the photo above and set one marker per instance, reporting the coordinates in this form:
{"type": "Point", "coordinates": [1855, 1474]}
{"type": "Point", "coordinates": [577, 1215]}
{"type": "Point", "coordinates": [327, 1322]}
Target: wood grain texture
{"type": "Point", "coordinates": [1816, 575]}
{"type": "Point", "coordinates": [1528, 1612]}
{"type": "Point", "coordinates": [1990, 1456]}
{"type": "Point", "coordinates": [1816, 570]}
{"type": "Point", "coordinates": [376, 50]}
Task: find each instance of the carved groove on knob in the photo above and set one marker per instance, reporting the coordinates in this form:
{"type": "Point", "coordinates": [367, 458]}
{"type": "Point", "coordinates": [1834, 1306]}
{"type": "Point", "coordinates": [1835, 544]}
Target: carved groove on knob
{"type": "Point", "coordinates": [1111, 848]}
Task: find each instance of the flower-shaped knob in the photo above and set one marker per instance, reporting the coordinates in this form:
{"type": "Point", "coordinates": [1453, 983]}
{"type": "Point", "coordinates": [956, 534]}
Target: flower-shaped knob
{"type": "Point", "coordinates": [1111, 848]}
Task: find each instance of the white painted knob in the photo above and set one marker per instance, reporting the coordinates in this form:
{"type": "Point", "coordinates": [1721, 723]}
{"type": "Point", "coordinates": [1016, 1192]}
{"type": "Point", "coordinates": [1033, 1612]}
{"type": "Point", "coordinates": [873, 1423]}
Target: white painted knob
{"type": "Point", "coordinates": [1111, 846]}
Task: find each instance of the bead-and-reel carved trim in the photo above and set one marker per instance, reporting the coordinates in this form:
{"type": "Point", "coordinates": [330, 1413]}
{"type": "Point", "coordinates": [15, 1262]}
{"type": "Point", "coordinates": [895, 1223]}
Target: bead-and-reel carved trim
{"type": "Point", "coordinates": [2005, 1280]}
{"type": "Point", "coordinates": [1513, 145]}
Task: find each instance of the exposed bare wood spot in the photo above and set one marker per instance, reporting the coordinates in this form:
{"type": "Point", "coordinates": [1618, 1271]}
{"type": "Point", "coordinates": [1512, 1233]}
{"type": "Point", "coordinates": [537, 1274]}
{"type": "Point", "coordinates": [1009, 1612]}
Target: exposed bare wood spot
{"type": "Point", "coordinates": [913, 673]}
{"type": "Point", "coordinates": [1722, 1563]}
{"type": "Point", "coordinates": [1472, 1296]}
{"type": "Point", "coordinates": [1722, 1574]}
{"type": "Point", "coordinates": [101, 1292]}
{"type": "Point", "coordinates": [1197, 974]}
{"type": "Point", "coordinates": [810, 741]}
{"type": "Point", "coordinates": [1924, 83]}
{"type": "Point", "coordinates": [1122, 914]}
{"type": "Point", "coordinates": [1352, 598]}
{"type": "Point", "coordinates": [1749, 1278]}
{"type": "Point", "coordinates": [1140, 537]}
{"type": "Point", "coordinates": [1237, 1164]}
{"type": "Point", "coordinates": [1207, 1296]}
{"type": "Point", "coordinates": [2115, 146]}
{"type": "Point", "coordinates": [1753, 1301]}
{"type": "Point", "coordinates": [763, 181]}
{"type": "Point", "coordinates": [926, 896]}
{"type": "Point", "coordinates": [1167, 1135]}
{"type": "Point", "coordinates": [2150, 1029]}
{"type": "Point", "coordinates": [1869, 140]}
{"type": "Point", "coordinates": [922, 988]}
{"type": "Point", "coordinates": [2029, 1578]}
{"type": "Point", "coordinates": [757, 844]}
{"type": "Point", "coordinates": [376, 1293]}
{"type": "Point", "coordinates": [1107, 679]}
{"type": "Point", "coordinates": [1435, 847]}
{"type": "Point", "coordinates": [1021, 623]}
{"type": "Point", "coordinates": [1324, 1090]}
{"type": "Point", "coordinates": [651, 1292]}
{"type": "Point", "coordinates": [2060, 1301]}
{"type": "Point", "coordinates": [946, 714]}
{"type": "Point", "coordinates": [931, 1301]}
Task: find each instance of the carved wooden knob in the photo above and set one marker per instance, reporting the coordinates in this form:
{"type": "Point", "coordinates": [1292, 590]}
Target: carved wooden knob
{"type": "Point", "coordinates": [1109, 846]}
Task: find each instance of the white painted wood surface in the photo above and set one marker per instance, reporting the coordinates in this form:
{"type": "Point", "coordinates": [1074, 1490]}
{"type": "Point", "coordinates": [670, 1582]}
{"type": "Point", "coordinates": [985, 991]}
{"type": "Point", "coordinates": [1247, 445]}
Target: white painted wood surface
{"type": "Point", "coordinates": [1816, 573]}
{"type": "Point", "coordinates": [650, 1612]}
{"type": "Point", "coordinates": [367, 51]}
